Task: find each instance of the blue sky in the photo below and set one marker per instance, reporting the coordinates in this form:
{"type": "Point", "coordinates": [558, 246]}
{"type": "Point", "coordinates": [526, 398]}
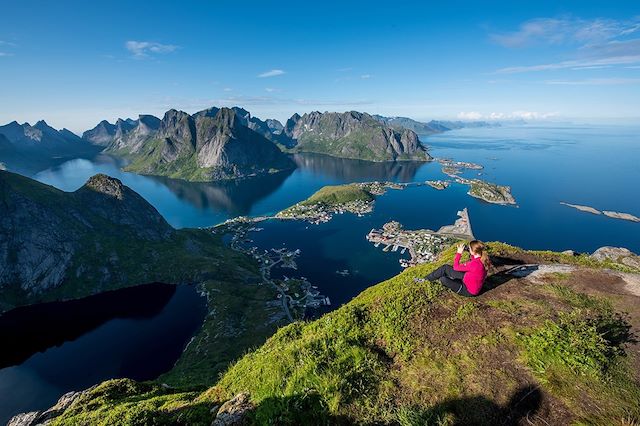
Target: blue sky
{"type": "Point", "coordinates": [74, 63]}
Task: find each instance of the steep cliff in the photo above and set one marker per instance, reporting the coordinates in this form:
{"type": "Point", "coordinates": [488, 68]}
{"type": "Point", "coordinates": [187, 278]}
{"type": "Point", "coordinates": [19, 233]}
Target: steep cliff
{"type": "Point", "coordinates": [353, 135]}
{"type": "Point", "coordinates": [58, 245]}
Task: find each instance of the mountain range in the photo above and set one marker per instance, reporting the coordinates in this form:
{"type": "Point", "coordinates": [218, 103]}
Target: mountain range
{"type": "Point", "coordinates": [223, 143]}
{"type": "Point", "coordinates": [28, 148]}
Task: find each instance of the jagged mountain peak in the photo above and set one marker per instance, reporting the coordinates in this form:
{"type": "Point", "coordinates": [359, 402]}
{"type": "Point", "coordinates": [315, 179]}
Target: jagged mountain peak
{"type": "Point", "coordinates": [106, 185]}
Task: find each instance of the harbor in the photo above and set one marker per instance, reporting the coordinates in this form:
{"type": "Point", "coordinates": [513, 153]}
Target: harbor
{"type": "Point", "coordinates": [423, 245]}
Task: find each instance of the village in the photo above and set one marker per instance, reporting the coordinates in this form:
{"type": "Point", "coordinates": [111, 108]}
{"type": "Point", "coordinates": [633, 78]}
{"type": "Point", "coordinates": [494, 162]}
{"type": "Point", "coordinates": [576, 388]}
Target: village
{"type": "Point", "coordinates": [423, 245]}
{"type": "Point", "coordinates": [320, 212]}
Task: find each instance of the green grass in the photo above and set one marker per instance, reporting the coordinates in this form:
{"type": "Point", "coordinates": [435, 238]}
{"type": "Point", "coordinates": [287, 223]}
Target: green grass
{"type": "Point", "coordinates": [387, 357]}
{"type": "Point", "coordinates": [339, 194]}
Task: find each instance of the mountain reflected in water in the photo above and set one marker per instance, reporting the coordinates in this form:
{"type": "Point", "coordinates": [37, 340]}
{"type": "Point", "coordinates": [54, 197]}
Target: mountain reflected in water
{"type": "Point", "coordinates": [357, 170]}
{"type": "Point", "coordinates": [233, 197]}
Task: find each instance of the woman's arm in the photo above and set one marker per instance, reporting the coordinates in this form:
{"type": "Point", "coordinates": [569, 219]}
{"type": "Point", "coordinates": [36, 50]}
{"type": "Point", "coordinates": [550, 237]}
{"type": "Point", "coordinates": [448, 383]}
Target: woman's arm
{"type": "Point", "coordinates": [457, 266]}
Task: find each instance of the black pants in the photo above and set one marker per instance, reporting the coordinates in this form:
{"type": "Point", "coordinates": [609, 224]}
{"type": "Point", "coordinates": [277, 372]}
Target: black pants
{"type": "Point", "coordinates": [451, 279]}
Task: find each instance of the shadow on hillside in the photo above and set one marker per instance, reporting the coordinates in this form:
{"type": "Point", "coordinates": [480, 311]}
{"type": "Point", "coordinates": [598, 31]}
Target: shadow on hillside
{"type": "Point", "coordinates": [506, 269]}
{"type": "Point", "coordinates": [301, 409]}
{"type": "Point", "coordinates": [310, 409]}
{"type": "Point", "coordinates": [478, 410]}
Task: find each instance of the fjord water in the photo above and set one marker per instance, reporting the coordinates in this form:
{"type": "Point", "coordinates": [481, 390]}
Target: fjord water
{"type": "Point", "coordinates": [544, 165]}
{"type": "Point", "coordinates": [53, 348]}
{"type": "Point", "coordinates": [589, 165]}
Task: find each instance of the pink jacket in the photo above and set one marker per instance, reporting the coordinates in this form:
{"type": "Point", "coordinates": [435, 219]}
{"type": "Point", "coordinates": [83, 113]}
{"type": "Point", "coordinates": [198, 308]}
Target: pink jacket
{"type": "Point", "coordinates": [475, 273]}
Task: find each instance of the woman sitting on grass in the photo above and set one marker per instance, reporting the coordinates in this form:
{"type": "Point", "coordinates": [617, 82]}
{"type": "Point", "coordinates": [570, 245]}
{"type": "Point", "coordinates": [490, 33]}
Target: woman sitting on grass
{"type": "Point", "coordinates": [465, 279]}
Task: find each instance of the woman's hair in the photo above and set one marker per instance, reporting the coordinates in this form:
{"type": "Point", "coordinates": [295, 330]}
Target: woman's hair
{"type": "Point", "coordinates": [477, 247]}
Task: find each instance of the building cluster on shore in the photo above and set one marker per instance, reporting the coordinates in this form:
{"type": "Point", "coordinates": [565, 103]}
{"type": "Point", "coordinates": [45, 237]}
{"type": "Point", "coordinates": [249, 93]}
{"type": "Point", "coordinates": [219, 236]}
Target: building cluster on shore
{"type": "Point", "coordinates": [296, 294]}
{"type": "Point", "coordinates": [320, 212]}
{"type": "Point", "coordinates": [380, 188]}
{"type": "Point", "coordinates": [438, 184]}
{"type": "Point", "coordinates": [423, 245]}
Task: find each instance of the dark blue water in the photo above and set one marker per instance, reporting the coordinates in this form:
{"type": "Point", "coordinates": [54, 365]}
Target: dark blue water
{"type": "Point", "coordinates": [53, 348]}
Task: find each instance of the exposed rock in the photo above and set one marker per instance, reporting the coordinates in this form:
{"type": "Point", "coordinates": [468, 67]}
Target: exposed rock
{"type": "Point", "coordinates": [102, 135]}
{"type": "Point", "coordinates": [44, 417]}
{"type": "Point", "coordinates": [42, 229]}
{"type": "Point", "coordinates": [623, 216]}
{"type": "Point", "coordinates": [608, 213]}
{"type": "Point", "coordinates": [234, 412]}
{"type": "Point", "coordinates": [353, 135]}
{"type": "Point", "coordinates": [37, 146]}
{"type": "Point", "coordinates": [213, 144]}
{"type": "Point", "coordinates": [25, 419]}
{"type": "Point", "coordinates": [618, 255]}
{"type": "Point", "coordinates": [106, 185]}
{"type": "Point", "coordinates": [581, 208]}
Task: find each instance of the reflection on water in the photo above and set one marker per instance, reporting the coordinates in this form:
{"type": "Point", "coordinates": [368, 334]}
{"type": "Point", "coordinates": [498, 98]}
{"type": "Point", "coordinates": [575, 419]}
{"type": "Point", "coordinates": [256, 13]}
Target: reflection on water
{"type": "Point", "coordinates": [233, 198]}
{"type": "Point", "coordinates": [357, 170]}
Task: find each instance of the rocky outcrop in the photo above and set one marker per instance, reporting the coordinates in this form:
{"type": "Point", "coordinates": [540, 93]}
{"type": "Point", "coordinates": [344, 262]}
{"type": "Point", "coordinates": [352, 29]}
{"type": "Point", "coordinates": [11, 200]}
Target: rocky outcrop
{"type": "Point", "coordinates": [353, 135]}
{"type": "Point", "coordinates": [212, 144]}
{"type": "Point", "coordinates": [44, 231]}
{"type": "Point", "coordinates": [101, 135]}
{"type": "Point", "coordinates": [217, 144]}
{"type": "Point", "coordinates": [234, 412]}
{"type": "Point", "coordinates": [35, 418]}
{"type": "Point", "coordinates": [617, 255]}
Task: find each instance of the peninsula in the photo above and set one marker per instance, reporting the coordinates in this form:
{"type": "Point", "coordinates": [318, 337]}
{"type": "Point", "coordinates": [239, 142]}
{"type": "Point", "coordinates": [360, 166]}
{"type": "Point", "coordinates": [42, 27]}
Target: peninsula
{"type": "Point", "coordinates": [356, 198]}
{"type": "Point", "coordinates": [424, 245]}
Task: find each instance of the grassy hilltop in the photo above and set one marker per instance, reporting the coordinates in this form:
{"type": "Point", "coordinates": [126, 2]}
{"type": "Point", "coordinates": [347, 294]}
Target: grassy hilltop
{"type": "Point", "coordinates": [338, 194]}
{"type": "Point", "coordinates": [553, 346]}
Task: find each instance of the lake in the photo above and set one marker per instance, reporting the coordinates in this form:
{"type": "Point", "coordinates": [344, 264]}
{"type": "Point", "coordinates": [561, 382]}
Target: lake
{"type": "Point", "coordinates": [53, 348]}
{"type": "Point", "coordinates": [590, 165]}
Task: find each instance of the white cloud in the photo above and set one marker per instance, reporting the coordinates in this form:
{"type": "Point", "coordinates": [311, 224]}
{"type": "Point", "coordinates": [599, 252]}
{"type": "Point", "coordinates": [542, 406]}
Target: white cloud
{"type": "Point", "coordinates": [598, 43]}
{"type": "Point", "coordinates": [595, 82]}
{"type": "Point", "coordinates": [566, 30]}
{"type": "Point", "coordinates": [579, 63]}
{"type": "Point", "coordinates": [271, 89]}
{"type": "Point", "coordinates": [514, 115]}
{"type": "Point", "coordinates": [365, 76]}
{"type": "Point", "coordinates": [144, 49]}
{"type": "Point", "coordinates": [271, 73]}
{"type": "Point", "coordinates": [227, 89]}
{"type": "Point", "coordinates": [469, 115]}
{"type": "Point", "coordinates": [5, 54]}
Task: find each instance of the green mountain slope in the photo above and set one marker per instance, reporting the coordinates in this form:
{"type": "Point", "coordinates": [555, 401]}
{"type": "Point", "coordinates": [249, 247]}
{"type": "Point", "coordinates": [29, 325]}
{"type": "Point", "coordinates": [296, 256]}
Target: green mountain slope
{"type": "Point", "coordinates": [547, 345]}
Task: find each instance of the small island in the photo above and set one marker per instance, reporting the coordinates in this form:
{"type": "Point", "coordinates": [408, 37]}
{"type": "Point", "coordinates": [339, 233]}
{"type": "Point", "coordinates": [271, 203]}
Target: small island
{"type": "Point", "coordinates": [489, 192]}
{"type": "Point", "coordinates": [356, 198]}
{"type": "Point", "coordinates": [438, 184]}
{"type": "Point", "coordinates": [454, 168]}
{"type": "Point", "coordinates": [608, 213]}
